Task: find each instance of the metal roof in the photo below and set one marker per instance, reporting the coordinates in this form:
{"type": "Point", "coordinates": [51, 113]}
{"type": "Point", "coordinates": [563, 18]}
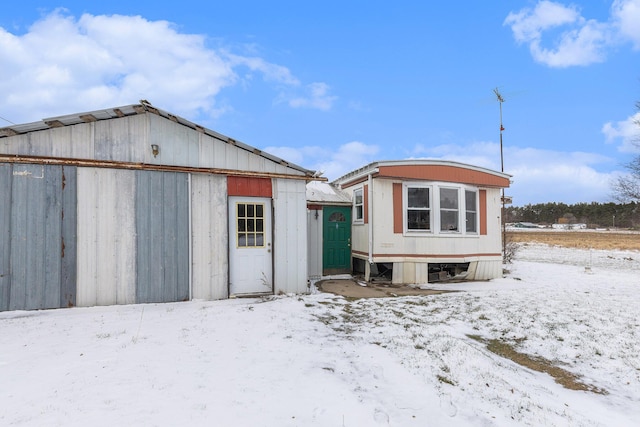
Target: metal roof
{"type": "Point", "coordinates": [373, 168]}
{"type": "Point", "coordinates": [141, 108]}
{"type": "Point", "coordinates": [324, 193]}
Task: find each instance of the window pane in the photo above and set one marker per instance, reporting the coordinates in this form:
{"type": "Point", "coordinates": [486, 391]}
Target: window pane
{"type": "Point", "coordinates": [359, 214]}
{"type": "Point", "coordinates": [418, 220]}
{"type": "Point", "coordinates": [242, 240]}
{"type": "Point", "coordinates": [250, 210]}
{"type": "Point", "coordinates": [242, 226]}
{"type": "Point", "coordinates": [259, 225]}
{"type": "Point", "coordinates": [418, 197]}
{"type": "Point", "coordinates": [470, 201]}
{"type": "Point", "coordinates": [259, 239]}
{"type": "Point", "coordinates": [471, 222]}
{"type": "Point", "coordinates": [358, 197]}
{"type": "Point", "coordinates": [448, 198]}
{"type": "Point", "coordinates": [241, 210]}
{"type": "Point", "coordinates": [449, 220]}
{"type": "Point", "coordinates": [259, 211]}
{"type": "Point", "coordinates": [251, 224]}
{"type": "Point", "coordinates": [337, 217]}
{"type": "Point", "coordinates": [251, 240]}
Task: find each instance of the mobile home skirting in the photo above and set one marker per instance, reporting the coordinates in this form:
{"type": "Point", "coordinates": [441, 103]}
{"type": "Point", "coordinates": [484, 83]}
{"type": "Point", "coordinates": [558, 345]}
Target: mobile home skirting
{"type": "Point", "coordinates": [414, 269]}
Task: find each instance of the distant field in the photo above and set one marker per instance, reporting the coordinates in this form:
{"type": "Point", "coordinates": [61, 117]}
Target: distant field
{"type": "Point", "coordinates": [579, 239]}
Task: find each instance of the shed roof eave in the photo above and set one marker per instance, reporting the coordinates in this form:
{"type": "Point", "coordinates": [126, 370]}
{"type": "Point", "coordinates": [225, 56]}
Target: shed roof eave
{"type": "Point", "coordinates": [142, 108]}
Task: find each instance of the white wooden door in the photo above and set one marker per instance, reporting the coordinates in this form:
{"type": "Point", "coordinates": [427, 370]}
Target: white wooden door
{"type": "Point", "coordinates": [250, 249]}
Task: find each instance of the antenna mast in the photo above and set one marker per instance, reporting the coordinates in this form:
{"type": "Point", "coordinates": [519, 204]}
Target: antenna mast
{"type": "Point", "coordinates": [502, 219]}
{"type": "Point", "coordinates": [500, 101]}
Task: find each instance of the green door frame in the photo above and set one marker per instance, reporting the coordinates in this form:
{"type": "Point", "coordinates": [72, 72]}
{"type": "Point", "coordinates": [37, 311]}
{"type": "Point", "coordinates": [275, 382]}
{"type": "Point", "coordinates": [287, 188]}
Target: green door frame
{"type": "Point", "coordinates": [336, 240]}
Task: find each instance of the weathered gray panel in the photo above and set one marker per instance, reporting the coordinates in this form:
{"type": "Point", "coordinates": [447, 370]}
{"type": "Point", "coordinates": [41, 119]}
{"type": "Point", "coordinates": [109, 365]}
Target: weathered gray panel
{"type": "Point", "coordinates": [290, 236]}
{"type": "Point", "coordinates": [209, 237]}
{"type": "Point", "coordinates": [5, 235]}
{"type": "Point", "coordinates": [162, 225]}
{"type": "Point", "coordinates": [69, 241]}
{"type": "Point", "coordinates": [36, 237]}
{"type": "Point", "coordinates": [122, 139]}
{"type": "Point", "coordinates": [106, 272]}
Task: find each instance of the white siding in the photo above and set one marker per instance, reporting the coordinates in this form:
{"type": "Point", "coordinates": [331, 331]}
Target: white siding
{"type": "Point", "coordinates": [290, 236]}
{"type": "Point", "coordinates": [314, 244]}
{"type": "Point", "coordinates": [388, 242]}
{"type": "Point", "coordinates": [399, 248]}
{"type": "Point", "coordinates": [209, 237]}
{"type": "Point", "coordinates": [106, 237]}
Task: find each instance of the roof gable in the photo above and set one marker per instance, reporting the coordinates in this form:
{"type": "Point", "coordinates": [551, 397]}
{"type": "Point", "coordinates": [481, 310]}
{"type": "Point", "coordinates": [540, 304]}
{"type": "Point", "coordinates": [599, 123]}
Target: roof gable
{"type": "Point", "coordinates": [144, 107]}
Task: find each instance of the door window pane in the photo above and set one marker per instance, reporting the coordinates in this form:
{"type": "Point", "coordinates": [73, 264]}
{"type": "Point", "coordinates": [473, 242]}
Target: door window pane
{"type": "Point", "coordinates": [337, 217]}
{"type": "Point", "coordinates": [250, 225]}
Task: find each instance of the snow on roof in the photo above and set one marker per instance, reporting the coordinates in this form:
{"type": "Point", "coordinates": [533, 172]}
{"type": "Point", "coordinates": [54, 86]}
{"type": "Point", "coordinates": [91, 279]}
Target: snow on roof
{"type": "Point", "coordinates": [322, 192]}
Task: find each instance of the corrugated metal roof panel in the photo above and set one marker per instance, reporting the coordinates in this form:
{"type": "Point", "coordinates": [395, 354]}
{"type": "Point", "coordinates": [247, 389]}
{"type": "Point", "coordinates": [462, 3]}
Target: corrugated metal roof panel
{"type": "Point", "coordinates": [322, 192]}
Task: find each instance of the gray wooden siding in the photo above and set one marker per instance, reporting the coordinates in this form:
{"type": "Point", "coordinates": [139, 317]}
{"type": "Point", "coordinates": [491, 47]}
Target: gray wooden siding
{"type": "Point", "coordinates": [314, 243]}
{"type": "Point", "coordinates": [36, 269]}
{"type": "Point", "coordinates": [209, 237]}
{"type": "Point", "coordinates": [129, 139]}
{"type": "Point", "coordinates": [5, 235]}
{"type": "Point", "coordinates": [106, 237]}
{"type": "Point", "coordinates": [162, 226]}
{"type": "Point", "coordinates": [290, 236]}
{"type": "Point", "coordinates": [68, 289]}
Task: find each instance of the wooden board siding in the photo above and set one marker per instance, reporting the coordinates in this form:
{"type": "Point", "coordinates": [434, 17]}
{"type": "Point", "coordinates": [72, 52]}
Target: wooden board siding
{"type": "Point", "coordinates": [443, 173]}
{"type": "Point", "coordinates": [209, 237]}
{"type": "Point", "coordinates": [249, 186]}
{"type": "Point", "coordinates": [289, 236]}
{"type": "Point", "coordinates": [398, 224]}
{"type": "Point", "coordinates": [483, 212]}
{"type": "Point", "coordinates": [106, 237]}
{"type": "Point", "coordinates": [35, 233]}
{"type": "Point", "coordinates": [162, 237]}
{"type": "Point", "coordinates": [365, 201]}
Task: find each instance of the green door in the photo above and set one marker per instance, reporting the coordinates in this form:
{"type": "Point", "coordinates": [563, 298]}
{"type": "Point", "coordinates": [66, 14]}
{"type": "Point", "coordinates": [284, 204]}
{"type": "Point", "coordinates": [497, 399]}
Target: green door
{"type": "Point", "coordinates": [336, 239]}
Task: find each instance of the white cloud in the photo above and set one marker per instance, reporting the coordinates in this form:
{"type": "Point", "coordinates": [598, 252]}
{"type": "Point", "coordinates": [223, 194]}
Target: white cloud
{"type": "Point", "coordinates": [581, 41]}
{"type": "Point", "coordinates": [626, 15]}
{"type": "Point", "coordinates": [541, 176]}
{"type": "Point", "coordinates": [332, 162]}
{"type": "Point", "coordinates": [63, 65]}
{"type": "Point", "coordinates": [627, 130]}
{"type": "Point", "coordinates": [316, 97]}
{"type": "Point", "coordinates": [538, 176]}
{"type": "Point", "coordinates": [528, 24]}
{"type": "Point", "coordinates": [484, 154]}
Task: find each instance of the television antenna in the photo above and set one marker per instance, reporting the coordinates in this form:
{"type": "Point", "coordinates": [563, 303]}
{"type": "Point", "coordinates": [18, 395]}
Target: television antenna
{"type": "Point", "coordinates": [503, 219]}
{"type": "Point", "coordinates": [500, 101]}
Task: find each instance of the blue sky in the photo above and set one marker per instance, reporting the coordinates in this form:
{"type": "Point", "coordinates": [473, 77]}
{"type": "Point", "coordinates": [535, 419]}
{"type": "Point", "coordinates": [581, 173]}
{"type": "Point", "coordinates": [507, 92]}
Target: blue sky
{"type": "Point", "coordinates": [334, 85]}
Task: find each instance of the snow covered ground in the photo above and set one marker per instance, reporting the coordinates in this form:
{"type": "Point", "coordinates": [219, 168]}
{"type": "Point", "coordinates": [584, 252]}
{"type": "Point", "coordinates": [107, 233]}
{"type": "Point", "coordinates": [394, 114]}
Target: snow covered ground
{"type": "Point", "coordinates": [320, 360]}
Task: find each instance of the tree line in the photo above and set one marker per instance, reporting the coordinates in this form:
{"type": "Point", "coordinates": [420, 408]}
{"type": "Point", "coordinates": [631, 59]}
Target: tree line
{"type": "Point", "coordinates": [594, 215]}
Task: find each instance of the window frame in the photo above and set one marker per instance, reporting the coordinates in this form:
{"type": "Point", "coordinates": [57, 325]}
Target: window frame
{"type": "Point", "coordinates": [476, 211]}
{"type": "Point", "coordinates": [248, 235]}
{"type": "Point", "coordinates": [456, 210]}
{"type": "Point", "coordinates": [435, 209]}
{"type": "Point", "coordinates": [405, 208]}
{"type": "Point", "coordinates": [358, 219]}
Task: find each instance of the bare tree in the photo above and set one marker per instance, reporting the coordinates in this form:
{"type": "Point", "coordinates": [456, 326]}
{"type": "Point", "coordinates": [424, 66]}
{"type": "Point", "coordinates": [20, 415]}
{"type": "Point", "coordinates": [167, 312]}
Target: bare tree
{"type": "Point", "coordinates": [627, 187]}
